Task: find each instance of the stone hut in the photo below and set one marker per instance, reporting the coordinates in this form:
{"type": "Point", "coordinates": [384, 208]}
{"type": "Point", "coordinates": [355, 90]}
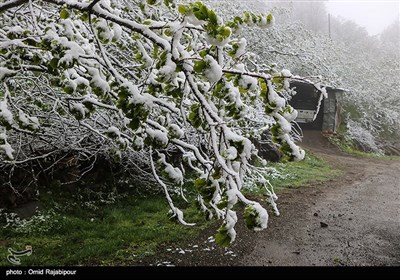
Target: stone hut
{"type": "Point", "coordinates": [306, 102]}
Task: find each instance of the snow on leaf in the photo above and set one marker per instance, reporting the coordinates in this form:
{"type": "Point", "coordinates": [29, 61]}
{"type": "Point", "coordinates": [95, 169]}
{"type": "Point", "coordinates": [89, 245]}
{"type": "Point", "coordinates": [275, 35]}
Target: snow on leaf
{"type": "Point", "coordinates": [5, 114]}
{"type": "Point", "coordinates": [214, 71]}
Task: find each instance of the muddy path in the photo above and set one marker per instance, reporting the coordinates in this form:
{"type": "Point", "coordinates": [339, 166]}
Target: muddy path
{"type": "Point", "coordinates": [353, 220]}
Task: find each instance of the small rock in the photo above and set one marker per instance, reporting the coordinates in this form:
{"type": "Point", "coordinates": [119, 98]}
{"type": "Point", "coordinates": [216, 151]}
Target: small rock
{"type": "Point", "coordinates": [323, 225]}
{"type": "Point", "coordinates": [316, 214]}
{"type": "Point", "coordinates": [350, 219]}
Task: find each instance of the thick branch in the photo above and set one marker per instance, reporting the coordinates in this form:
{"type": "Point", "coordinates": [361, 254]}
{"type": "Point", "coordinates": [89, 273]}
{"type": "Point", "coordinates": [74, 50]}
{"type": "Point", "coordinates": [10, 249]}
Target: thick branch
{"type": "Point", "coordinates": [91, 5]}
{"type": "Point", "coordinates": [11, 4]}
{"type": "Point", "coordinates": [97, 11]}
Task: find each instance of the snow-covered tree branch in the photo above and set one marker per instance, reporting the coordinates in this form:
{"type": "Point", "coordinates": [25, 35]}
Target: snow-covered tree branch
{"type": "Point", "coordinates": [147, 78]}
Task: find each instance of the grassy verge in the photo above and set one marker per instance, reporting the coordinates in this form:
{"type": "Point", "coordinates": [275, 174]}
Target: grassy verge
{"type": "Point", "coordinates": [358, 153]}
{"type": "Point", "coordinates": [117, 234]}
{"type": "Point", "coordinates": [347, 146]}
{"type": "Point", "coordinates": [297, 174]}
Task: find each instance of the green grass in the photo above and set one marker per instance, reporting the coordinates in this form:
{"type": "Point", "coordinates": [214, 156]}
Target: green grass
{"type": "Point", "coordinates": [347, 146]}
{"type": "Point", "coordinates": [117, 234]}
{"type": "Point", "coordinates": [301, 173]}
{"type": "Point", "coordinates": [358, 153]}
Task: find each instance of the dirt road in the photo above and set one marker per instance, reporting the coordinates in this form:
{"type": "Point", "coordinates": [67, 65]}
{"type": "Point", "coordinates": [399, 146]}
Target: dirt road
{"type": "Point", "coordinates": [354, 221]}
{"type": "Point", "coordinates": [351, 220]}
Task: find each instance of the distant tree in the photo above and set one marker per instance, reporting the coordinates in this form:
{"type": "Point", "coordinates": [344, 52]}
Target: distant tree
{"type": "Point", "coordinates": [391, 35]}
{"type": "Point", "coordinates": [312, 14]}
{"type": "Point", "coordinates": [364, 65]}
{"type": "Point", "coordinates": [348, 31]}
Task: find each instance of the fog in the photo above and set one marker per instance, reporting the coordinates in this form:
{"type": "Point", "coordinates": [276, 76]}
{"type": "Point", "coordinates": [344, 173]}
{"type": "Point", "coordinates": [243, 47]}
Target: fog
{"type": "Point", "coordinates": [375, 16]}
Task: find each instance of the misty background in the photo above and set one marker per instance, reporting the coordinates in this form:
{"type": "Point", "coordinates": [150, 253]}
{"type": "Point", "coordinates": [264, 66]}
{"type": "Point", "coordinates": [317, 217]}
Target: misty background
{"type": "Point", "coordinates": [353, 45]}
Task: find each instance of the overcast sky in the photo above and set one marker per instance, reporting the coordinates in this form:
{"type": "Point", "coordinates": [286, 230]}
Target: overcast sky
{"type": "Point", "coordinates": [374, 15]}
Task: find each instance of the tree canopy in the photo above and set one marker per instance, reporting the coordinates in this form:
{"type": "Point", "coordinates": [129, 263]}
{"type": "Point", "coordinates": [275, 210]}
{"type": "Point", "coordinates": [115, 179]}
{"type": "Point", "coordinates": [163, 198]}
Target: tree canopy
{"type": "Point", "coordinates": [149, 80]}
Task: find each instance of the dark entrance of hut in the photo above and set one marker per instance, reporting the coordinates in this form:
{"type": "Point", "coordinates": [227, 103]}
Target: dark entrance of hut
{"type": "Point", "coordinates": [305, 101]}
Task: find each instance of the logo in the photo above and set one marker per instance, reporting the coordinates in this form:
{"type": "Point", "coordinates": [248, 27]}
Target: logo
{"type": "Point", "coordinates": [13, 256]}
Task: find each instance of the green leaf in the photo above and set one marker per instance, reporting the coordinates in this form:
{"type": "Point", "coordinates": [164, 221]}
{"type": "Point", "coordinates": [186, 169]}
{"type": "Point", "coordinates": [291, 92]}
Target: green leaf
{"type": "Point", "coordinates": [203, 9]}
{"type": "Point", "coordinates": [203, 53]}
{"type": "Point", "coordinates": [277, 80]}
{"type": "Point", "coordinates": [285, 148]}
{"type": "Point", "coordinates": [199, 66]}
{"type": "Point", "coordinates": [30, 42]}
{"type": "Point", "coordinates": [254, 18]}
{"type": "Point", "coordinates": [55, 81]}
{"type": "Point", "coordinates": [268, 110]}
{"type": "Point", "coordinates": [68, 90]}
{"type": "Point", "coordinates": [151, 2]}
{"type": "Point", "coordinates": [182, 9]}
{"type": "Point", "coordinates": [200, 15]}
{"type": "Point", "coordinates": [246, 17]}
{"type": "Point", "coordinates": [84, 17]}
{"type": "Point", "coordinates": [263, 89]}
{"type": "Point", "coordinates": [238, 20]}
{"type": "Point", "coordinates": [222, 204]}
{"type": "Point", "coordinates": [213, 17]}
{"type": "Point", "coordinates": [251, 217]}
{"type": "Point", "coordinates": [53, 63]}
{"type": "Point", "coordinates": [195, 107]}
{"type": "Point", "coordinates": [200, 182]}
{"type": "Point", "coordinates": [222, 238]}
{"type": "Point", "coordinates": [64, 14]}
{"type": "Point", "coordinates": [224, 32]}
{"type": "Point", "coordinates": [194, 115]}
{"type": "Point", "coordinates": [217, 173]}
{"type": "Point", "coordinates": [134, 124]}
{"type": "Point", "coordinates": [218, 90]}
{"type": "Point", "coordinates": [238, 145]}
{"type": "Point", "coordinates": [275, 129]}
{"type": "Point", "coordinates": [168, 2]}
